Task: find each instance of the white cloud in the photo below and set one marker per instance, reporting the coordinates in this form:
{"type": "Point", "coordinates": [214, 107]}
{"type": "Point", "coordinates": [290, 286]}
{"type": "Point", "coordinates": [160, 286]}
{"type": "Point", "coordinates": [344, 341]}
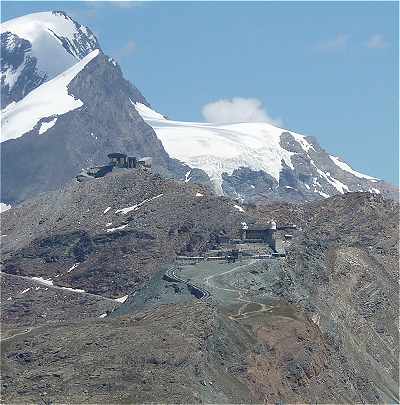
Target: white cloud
{"type": "Point", "coordinates": [376, 41]}
{"type": "Point", "coordinates": [237, 110]}
{"type": "Point", "coordinates": [337, 43]}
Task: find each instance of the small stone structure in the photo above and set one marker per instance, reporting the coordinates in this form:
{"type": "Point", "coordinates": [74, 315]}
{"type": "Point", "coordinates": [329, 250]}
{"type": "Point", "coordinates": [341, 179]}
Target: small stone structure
{"type": "Point", "coordinates": [117, 161]}
{"type": "Point", "coordinates": [265, 233]}
{"type": "Point", "coordinates": [131, 162]}
{"type": "Point", "coordinates": [261, 232]}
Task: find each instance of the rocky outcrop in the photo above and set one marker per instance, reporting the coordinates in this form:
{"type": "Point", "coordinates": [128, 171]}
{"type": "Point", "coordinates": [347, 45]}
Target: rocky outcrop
{"type": "Point", "coordinates": [13, 59]}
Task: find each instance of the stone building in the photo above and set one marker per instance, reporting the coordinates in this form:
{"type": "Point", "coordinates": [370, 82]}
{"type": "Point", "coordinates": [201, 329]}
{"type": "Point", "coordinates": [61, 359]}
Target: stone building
{"type": "Point", "coordinates": [265, 233]}
{"type": "Point", "coordinates": [117, 161]}
{"type": "Point", "coordinates": [262, 232]}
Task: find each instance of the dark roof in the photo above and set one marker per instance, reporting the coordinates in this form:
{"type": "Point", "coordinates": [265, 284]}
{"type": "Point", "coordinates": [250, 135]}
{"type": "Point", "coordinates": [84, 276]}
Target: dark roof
{"type": "Point", "coordinates": [116, 155]}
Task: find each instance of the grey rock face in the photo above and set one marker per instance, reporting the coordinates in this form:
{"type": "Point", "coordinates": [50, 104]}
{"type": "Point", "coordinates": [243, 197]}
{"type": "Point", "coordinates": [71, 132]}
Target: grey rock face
{"type": "Point", "coordinates": [84, 40]}
{"type": "Point", "coordinates": [247, 184]}
{"type": "Point", "coordinates": [314, 176]}
{"type": "Point", "coordinates": [11, 60]}
{"type": "Point", "coordinates": [107, 122]}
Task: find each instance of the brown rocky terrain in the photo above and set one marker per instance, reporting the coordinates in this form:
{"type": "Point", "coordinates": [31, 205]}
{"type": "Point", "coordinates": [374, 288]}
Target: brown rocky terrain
{"type": "Point", "coordinates": [342, 268]}
{"type": "Point", "coordinates": [330, 334]}
{"type": "Point", "coordinates": [27, 304]}
{"type": "Point", "coordinates": [46, 236]}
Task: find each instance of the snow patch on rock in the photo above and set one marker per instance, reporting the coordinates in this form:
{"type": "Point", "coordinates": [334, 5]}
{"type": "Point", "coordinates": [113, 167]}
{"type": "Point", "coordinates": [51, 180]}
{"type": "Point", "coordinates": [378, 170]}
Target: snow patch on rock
{"type": "Point", "coordinates": [47, 125]}
{"type": "Point", "coordinates": [4, 207]}
{"type": "Point", "coordinates": [122, 299]}
{"type": "Point", "coordinates": [118, 228]}
{"type": "Point", "coordinates": [136, 206]}
{"type": "Point", "coordinates": [43, 281]}
{"type": "Point", "coordinates": [73, 289]}
{"type": "Point", "coordinates": [73, 267]}
{"type": "Point", "coordinates": [239, 208]}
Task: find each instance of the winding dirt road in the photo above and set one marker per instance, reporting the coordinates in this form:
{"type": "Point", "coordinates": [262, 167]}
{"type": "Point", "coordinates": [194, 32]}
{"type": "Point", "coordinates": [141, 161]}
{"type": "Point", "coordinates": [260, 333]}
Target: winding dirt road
{"type": "Point", "coordinates": [212, 278]}
{"type": "Point", "coordinates": [241, 314]}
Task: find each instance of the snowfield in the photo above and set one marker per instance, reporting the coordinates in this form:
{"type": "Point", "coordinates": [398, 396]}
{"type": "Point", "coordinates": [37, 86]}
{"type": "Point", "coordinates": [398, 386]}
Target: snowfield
{"type": "Point", "coordinates": [49, 99]}
{"type": "Point", "coordinates": [222, 148]}
{"type": "Point", "coordinates": [219, 148]}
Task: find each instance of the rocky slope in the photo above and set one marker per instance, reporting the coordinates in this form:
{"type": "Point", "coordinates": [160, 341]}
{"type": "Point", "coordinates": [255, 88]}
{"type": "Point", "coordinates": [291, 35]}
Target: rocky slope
{"type": "Point", "coordinates": [343, 270]}
{"type": "Point", "coordinates": [117, 251]}
{"type": "Point", "coordinates": [331, 336]}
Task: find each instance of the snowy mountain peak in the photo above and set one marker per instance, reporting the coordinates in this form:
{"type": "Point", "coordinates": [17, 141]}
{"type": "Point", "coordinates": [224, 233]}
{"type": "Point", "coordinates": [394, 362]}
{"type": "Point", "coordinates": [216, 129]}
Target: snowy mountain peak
{"type": "Point", "coordinates": [37, 47]}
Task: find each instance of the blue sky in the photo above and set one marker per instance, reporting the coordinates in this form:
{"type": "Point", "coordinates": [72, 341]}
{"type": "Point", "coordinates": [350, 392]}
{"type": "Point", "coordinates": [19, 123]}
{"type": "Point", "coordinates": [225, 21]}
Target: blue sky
{"type": "Point", "coordinates": [327, 69]}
